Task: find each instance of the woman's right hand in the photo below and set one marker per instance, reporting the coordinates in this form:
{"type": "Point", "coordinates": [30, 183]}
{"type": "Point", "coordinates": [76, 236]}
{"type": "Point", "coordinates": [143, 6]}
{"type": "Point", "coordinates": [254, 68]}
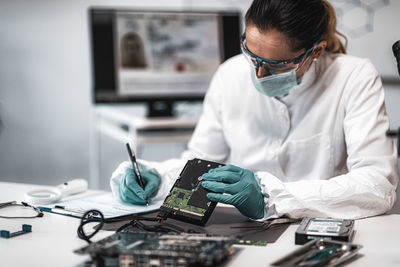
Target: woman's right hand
{"type": "Point", "coordinates": [131, 192]}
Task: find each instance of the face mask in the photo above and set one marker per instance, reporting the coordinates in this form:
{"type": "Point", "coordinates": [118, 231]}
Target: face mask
{"type": "Point", "coordinates": [274, 85]}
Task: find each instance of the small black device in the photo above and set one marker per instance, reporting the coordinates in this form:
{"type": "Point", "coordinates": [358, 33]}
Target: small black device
{"type": "Point", "coordinates": [316, 228]}
{"type": "Point", "coordinates": [187, 201]}
{"type": "Point", "coordinates": [396, 52]}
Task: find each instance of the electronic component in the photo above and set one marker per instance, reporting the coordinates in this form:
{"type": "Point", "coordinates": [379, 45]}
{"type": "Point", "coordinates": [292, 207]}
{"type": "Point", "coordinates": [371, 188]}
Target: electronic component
{"type": "Point", "coordinates": [320, 252]}
{"type": "Point", "coordinates": [251, 242]}
{"type": "Point", "coordinates": [187, 201]}
{"type": "Point", "coordinates": [159, 249]}
{"type": "Point", "coordinates": [315, 228]}
{"type": "Point", "coordinates": [26, 228]}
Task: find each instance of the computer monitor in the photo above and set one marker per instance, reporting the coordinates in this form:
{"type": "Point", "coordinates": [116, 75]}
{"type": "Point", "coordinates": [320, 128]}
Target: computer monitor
{"type": "Point", "coordinates": [158, 57]}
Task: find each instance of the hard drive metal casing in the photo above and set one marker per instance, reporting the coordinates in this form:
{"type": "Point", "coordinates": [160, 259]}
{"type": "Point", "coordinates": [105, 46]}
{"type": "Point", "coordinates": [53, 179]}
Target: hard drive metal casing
{"type": "Point", "coordinates": [187, 200]}
{"type": "Point", "coordinates": [316, 228]}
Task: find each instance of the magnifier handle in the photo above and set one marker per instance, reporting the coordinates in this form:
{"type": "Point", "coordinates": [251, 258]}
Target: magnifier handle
{"type": "Point", "coordinates": [73, 187]}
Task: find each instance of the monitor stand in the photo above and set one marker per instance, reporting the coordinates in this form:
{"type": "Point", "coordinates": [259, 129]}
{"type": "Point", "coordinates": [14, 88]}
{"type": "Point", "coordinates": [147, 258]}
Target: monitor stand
{"type": "Point", "coordinates": [160, 108]}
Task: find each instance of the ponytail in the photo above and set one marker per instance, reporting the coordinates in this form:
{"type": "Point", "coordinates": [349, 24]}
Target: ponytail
{"type": "Point", "coordinates": [304, 22]}
{"type": "Point", "coordinates": [334, 45]}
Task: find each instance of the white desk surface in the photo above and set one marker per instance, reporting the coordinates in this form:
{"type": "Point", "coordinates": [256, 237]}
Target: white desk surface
{"type": "Point", "coordinates": [54, 238]}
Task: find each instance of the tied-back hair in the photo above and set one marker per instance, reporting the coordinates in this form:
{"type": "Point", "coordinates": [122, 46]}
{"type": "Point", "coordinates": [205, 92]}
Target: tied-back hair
{"type": "Point", "coordinates": [304, 22]}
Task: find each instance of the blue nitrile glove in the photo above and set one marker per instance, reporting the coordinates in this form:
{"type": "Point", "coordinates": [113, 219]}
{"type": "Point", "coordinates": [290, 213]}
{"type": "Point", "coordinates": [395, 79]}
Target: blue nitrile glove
{"type": "Point", "coordinates": [241, 188]}
{"type": "Point", "coordinates": [131, 192]}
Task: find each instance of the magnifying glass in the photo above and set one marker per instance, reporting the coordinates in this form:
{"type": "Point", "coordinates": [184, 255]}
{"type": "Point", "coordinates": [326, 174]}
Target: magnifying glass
{"type": "Point", "coordinates": [44, 196]}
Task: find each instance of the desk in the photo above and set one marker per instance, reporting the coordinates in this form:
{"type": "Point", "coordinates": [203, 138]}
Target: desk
{"type": "Point", "coordinates": [53, 239]}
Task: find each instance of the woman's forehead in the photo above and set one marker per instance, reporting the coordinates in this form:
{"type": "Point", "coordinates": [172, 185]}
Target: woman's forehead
{"type": "Point", "coordinates": [270, 44]}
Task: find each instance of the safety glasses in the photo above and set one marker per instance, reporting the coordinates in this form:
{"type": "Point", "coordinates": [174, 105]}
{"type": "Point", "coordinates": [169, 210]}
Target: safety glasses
{"type": "Point", "coordinates": [273, 66]}
{"type": "Point", "coordinates": [13, 210]}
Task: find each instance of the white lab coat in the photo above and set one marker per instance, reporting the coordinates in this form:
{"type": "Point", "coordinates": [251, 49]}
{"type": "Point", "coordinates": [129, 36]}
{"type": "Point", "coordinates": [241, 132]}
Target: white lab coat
{"type": "Point", "coordinates": [320, 151]}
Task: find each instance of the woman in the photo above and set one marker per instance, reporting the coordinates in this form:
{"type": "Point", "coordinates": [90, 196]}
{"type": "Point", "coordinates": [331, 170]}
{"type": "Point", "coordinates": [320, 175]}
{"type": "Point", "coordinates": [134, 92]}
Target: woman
{"type": "Point", "coordinates": [304, 124]}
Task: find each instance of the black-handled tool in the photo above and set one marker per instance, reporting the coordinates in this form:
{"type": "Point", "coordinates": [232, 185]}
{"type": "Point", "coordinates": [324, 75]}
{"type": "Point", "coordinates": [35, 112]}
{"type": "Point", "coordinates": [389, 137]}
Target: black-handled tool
{"type": "Point", "coordinates": [135, 166]}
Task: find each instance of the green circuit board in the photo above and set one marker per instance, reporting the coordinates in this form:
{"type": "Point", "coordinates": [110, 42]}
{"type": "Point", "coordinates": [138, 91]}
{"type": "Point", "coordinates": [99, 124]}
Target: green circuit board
{"type": "Point", "coordinates": [179, 198]}
{"type": "Point", "coordinates": [187, 200]}
{"type": "Point", "coordinates": [251, 242]}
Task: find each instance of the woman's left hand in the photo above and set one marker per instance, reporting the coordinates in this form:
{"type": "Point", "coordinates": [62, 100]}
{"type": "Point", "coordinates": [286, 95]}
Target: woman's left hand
{"type": "Point", "coordinates": [235, 186]}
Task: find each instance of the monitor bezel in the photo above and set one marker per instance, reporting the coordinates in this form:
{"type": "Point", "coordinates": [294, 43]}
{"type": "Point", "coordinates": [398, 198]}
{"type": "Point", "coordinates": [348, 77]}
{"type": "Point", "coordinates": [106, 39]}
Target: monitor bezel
{"type": "Point", "coordinates": [115, 99]}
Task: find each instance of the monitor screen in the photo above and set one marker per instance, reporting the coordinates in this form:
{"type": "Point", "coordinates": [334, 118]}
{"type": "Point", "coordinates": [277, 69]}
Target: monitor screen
{"type": "Point", "coordinates": [159, 55]}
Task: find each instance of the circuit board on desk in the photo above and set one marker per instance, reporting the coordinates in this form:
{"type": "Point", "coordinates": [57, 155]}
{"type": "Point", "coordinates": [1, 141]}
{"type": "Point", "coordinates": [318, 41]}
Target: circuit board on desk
{"type": "Point", "coordinates": [187, 200]}
{"type": "Point", "coordinates": [158, 249]}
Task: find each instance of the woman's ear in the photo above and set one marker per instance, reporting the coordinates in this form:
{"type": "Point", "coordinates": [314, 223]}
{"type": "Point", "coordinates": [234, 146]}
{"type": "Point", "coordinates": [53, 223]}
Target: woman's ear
{"type": "Point", "coordinates": [319, 49]}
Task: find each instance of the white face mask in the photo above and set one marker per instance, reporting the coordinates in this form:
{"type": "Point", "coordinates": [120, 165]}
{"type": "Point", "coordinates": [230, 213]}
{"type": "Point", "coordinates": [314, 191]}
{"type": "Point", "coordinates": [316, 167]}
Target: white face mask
{"type": "Point", "coordinates": [274, 85]}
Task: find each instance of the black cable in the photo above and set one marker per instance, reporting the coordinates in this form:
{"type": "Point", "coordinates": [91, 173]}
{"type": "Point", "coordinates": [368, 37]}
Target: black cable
{"type": "Point", "coordinates": [135, 221]}
{"type": "Point", "coordinates": [126, 225]}
{"type": "Point", "coordinates": [130, 217]}
{"type": "Point", "coordinates": [89, 217]}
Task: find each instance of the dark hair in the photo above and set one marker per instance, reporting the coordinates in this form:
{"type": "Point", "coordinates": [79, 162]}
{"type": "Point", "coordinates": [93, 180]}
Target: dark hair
{"type": "Point", "coordinates": [304, 22]}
